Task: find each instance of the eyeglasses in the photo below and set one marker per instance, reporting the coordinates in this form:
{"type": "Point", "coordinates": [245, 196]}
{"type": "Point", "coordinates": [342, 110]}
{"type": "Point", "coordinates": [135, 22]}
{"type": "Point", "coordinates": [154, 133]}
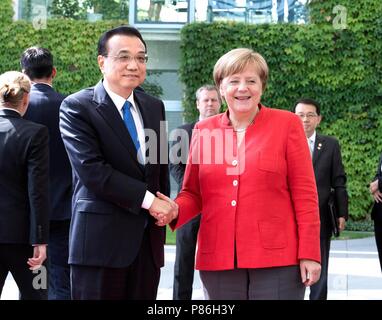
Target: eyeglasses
{"type": "Point", "coordinates": [307, 115]}
{"type": "Point", "coordinates": [125, 59]}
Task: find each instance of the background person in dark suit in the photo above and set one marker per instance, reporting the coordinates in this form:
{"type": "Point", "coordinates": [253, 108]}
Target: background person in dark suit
{"type": "Point", "coordinates": [116, 249]}
{"type": "Point", "coordinates": [44, 106]}
{"type": "Point", "coordinates": [208, 103]}
{"type": "Point", "coordinates": [330, 175]}
{"type": "Point", "coordinates": [376, 213]}
{"type": "Point", "coordinates": [24, 167]}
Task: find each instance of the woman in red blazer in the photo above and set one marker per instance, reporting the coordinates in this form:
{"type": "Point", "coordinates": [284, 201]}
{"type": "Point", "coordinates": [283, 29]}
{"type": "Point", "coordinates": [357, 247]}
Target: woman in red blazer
{"type": "Point", "coordinates": [250, 174]}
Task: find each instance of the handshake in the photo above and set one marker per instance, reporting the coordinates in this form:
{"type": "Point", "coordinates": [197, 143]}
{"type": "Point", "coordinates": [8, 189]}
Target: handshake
{"type": "Point", "coordinates": [163, 209]}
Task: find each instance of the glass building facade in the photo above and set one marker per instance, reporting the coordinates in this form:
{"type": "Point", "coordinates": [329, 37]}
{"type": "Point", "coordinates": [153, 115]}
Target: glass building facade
{"type": "Point", "coordinates": [168, 13]}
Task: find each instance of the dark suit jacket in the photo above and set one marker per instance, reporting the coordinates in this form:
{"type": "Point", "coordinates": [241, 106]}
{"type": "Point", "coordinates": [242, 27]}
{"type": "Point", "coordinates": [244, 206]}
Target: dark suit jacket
{"type": "Point", "coordinates": [109, 182]}
{"type": "Point", "coordinates": [330, 174]}
{"type": "Point", "coordinates": [44, 107]}
{"type": "Point", "coordinates": [24, 167]}
{"type": "Point", "coordinates": [376, 212]}
{"type": "Point", "coordinates": [177, 169]}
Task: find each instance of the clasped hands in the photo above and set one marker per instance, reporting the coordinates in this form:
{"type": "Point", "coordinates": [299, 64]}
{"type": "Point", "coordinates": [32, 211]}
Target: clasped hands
{"type": "Point", "coordinates": [163, 209]}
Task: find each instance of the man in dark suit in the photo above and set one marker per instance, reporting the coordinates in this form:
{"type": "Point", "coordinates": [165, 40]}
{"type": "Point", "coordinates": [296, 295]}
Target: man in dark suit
{"type": "Point", "coordinates": [376, 213]}
{"type": "Point", "coordinates": [330, 177]}
{"type": "Point", "coordinates": [208, 104]}
{"type": "Point", "coordinates": [44, 106]}
{"type": "Point", "coordinates": [116, 248]}
{"type": "Point", "coordinates": [24, 184]}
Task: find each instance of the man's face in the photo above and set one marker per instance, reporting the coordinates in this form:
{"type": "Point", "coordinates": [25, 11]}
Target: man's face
{"type": "Point", "coordinates": [309, 118]}
{"type": "Point", "coordinates": [124, 67]}
{"type": "Point", "coordinates": [208, 103]}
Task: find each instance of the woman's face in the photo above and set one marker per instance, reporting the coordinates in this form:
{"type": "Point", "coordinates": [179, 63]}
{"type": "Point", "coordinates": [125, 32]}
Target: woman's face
{"type": "Point", "coordinates": [242, 91]}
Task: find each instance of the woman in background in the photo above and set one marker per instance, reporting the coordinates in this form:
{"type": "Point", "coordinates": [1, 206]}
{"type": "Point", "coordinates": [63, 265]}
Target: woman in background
{"type": "Point", "coordinates": [23, 189]}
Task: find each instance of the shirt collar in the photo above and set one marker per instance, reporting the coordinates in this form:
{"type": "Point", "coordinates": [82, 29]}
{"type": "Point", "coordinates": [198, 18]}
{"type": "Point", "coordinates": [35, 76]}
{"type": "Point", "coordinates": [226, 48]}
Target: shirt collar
{"type": "Point", "coordinates": [117, 99]}
{"type": "Point", "coordinates": [312, 138]}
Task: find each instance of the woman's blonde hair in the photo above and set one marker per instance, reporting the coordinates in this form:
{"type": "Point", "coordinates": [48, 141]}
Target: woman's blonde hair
{"type": "Point", "coordinates": [13, 85]}
{"type": "Point", "coordinates": [236, 60]}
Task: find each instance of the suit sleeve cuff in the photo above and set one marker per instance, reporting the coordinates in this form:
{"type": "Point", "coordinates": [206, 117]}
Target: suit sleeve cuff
{"type": "Point", "coordinates": [148, 200]}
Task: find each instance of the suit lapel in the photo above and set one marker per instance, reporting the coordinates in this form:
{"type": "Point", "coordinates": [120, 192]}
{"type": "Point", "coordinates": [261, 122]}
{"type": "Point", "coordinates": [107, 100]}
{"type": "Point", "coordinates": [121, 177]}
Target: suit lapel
{"type": "Point", "coordinates": [147, 118]}
{"type": "Point", "coordinates": [319, 147]}
{"type": "Point", "coordinates": [110, 114]}
{"type": "Point", "coordinates": [139, 102]}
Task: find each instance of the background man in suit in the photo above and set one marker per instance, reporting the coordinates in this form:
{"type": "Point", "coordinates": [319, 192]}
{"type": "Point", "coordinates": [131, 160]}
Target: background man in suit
{"type": "Point", "coordinates": [116, 249]}
{"type": "Point", "coordinates": [44, 106]}
{"type": "Point", "coordinates": [24, 184]}
{"type": "Point", "coordinates": [376, 213]}
{"type": "Point", "coordinates": [330, 175]}
{"type": "Point", "coordinates": [208, 103]}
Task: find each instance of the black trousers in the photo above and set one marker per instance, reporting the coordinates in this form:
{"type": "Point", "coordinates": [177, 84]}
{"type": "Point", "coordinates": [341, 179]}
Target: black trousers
{"type": "Point", "coordinates": [319, 291]}
{"type": "Point", "coordinates": [186, 238]}
{"type": "Point", "coordinates": [139, 281]}
{"type": "Point", "coordinates": [378, 238]}
{"type": "Point", "coordinates": [58, 267]}
{"type": "Point", "coordinates": [13, 258]}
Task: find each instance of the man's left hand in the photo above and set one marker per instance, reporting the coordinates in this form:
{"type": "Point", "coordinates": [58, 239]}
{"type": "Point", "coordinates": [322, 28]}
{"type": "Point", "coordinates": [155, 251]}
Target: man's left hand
{"type": "Point", "coordinates": [341, 223]}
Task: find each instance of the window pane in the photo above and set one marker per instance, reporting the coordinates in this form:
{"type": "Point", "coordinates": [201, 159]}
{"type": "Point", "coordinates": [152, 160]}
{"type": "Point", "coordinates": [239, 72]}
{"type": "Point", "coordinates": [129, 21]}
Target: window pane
{"type": "Point", "coordinates": [255, 11]}
{"type": "Point", "coordinates": [91, 10]}
{"type": "Point", "coordinates": [162, 11]}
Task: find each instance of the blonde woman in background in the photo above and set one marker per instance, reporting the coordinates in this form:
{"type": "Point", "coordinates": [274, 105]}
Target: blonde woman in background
{"type": "Point", "coordinates": [23, 189]}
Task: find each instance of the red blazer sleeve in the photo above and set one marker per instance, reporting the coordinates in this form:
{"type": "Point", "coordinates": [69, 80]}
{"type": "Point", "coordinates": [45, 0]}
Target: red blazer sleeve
{"type": "Point", "coordinates": [303, 191]}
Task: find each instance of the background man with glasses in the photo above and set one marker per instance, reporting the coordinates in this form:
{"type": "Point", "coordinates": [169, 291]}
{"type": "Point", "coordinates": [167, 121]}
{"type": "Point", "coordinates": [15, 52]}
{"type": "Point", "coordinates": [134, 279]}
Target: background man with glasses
{"type": "Point", "coordinates": [116, 249]}
{"type": "Point", "coordinates": [330, 175]}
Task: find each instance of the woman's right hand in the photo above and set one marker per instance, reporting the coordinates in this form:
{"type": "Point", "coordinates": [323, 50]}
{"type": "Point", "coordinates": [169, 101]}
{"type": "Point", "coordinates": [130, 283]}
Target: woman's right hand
{"type": "Point", "coordinates": [310, 272]}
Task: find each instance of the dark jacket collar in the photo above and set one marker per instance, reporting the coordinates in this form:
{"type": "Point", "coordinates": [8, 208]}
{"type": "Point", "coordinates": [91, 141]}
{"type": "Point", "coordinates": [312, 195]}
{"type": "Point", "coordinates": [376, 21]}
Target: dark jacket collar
{"type": "Point", "coordinates": [40, 86]}
{"type": "Point", "coordinates": [100, 95]}
{"type": "Point", "coordinates": [7, 113]}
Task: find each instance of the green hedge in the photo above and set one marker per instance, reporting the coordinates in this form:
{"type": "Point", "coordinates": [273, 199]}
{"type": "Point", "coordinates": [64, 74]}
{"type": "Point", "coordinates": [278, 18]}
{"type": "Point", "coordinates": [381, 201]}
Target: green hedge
{"type": "Point", "coordinates": [72, 42]}
{"type": "Point", "coordinates": [339, 68]}
{"type": "Point", "coordinates": [6, 12]}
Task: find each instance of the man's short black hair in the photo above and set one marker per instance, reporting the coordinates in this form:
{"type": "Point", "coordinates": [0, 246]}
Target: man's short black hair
{"type": "Point", "coordinates": [123, 30]}
{"type": "Point", "coordinates": [37, 63]}
{"type": "Point", "coordinates": [308, 101]}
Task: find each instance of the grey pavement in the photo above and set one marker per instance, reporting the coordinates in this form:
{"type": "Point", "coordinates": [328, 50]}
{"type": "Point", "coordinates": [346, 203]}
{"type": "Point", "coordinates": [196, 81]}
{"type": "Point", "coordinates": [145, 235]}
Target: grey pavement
{"type": "Point", "coordinates": [354, 273]}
